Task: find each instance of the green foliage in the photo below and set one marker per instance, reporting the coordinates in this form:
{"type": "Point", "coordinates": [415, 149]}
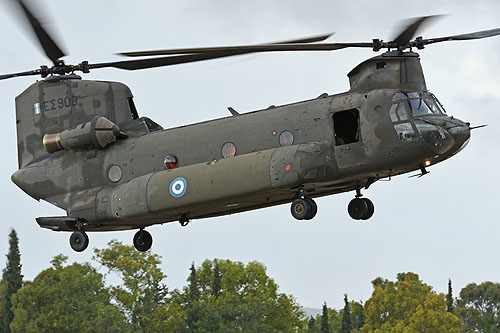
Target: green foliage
{"type": "Point", "coordinates": [142, 295]}
{"type": "Point", "coordinates": [407, 305]}
{"type": "Point", "coordinates": [310, 324]}
{"type": "Point", "coordinates": [357, 315]}
{"type": "Point", "coordinates": [346, 316]}
{"type": "Point", "coordinates": [247, 300]}
{"type": "Point", "coordinates": [12, 281]}
{"type": "Point", "coordinates": [479, 307]}
{"type": "Point", "coordinates": [71, 298]}
{"type": "Point", "coordinates": [325, 326]}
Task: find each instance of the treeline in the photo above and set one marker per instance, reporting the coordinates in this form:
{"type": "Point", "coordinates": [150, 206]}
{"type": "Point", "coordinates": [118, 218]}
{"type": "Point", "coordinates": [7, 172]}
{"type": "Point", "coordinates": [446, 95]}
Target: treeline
{"type": "Point", "coordinates": [220, 296]}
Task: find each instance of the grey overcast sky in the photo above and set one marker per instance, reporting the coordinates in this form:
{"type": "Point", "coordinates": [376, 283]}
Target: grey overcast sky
{"type": "Point", "coordinates": [444, 225]}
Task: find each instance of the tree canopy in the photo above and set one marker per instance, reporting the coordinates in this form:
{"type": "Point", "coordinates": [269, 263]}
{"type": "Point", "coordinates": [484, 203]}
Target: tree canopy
{"type": "Point", "coordinates": [220, 296]}
{"type": "Point", "coordinates": [66, 298]}
{"type": "Point", "coordinates": [232, 296]}
{"type": "Point", "coordinates": [407, 305]}
{"type": "Point", "coordinates": [479, 307]}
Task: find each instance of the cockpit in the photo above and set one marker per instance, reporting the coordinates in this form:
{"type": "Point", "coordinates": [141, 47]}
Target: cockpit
{"type": "Point", "coordinates": [409, 113]}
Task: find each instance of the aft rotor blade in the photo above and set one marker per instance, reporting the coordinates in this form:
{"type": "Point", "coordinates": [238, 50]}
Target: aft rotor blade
{"type": "Point", "coordinates": [50, 47]}
{"type": "Point", "coordinates": [411, 29]}
{"type": "Point", "coordinates": [27, 73]}
{"type": "Point", "coordinates": [469, 36]}
{"type": "Point", "coordinates": [187, 58]}
{"type": "Point", "coordinates": [222, 48]}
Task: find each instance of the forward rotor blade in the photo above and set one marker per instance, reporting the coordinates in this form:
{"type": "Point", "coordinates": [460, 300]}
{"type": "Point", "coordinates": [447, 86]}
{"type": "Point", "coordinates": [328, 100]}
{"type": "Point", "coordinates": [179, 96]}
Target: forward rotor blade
{"type": "Point", "coordinates": [238, 50]}
{"type": "Point", "coordinates": [313, 39]}
{"type": "Point", "coordinates": [469, 36]}
{"type": "Point", "coordinates": [411, 29]}
{"type": "Point", "coordinates": [27, 73]}
{"type": "Point", "coordinates": [221, 48]}
{"type": "Point", "coordinates": [51, 49]}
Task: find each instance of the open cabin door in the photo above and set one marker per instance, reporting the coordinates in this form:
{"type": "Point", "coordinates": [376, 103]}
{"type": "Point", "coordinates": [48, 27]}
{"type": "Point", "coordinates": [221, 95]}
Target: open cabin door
{"type": "Point", "coordinates": [349, 146]}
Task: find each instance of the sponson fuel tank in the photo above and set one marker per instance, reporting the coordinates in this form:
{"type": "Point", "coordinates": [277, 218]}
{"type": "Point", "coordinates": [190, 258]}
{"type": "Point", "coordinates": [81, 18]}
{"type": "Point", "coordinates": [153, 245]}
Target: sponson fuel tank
{"type": "Point", "coordinates": [206, 188]}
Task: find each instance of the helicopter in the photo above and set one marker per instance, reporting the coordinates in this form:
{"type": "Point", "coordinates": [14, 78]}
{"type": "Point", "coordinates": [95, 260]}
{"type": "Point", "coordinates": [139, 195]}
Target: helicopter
{"type": "Point", "coordinates": [83, 147]}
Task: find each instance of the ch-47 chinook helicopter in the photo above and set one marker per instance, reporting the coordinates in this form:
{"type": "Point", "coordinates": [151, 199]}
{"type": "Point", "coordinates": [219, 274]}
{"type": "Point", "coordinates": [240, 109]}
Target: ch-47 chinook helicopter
{"type": "Point", "coordinates": [83, 147]}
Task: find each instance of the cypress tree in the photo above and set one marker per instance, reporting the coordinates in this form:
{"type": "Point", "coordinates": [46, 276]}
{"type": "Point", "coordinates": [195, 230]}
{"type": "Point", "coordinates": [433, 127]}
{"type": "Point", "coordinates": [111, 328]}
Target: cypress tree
{"type": "Point", "coordinates": [12, 278]}
{"type": "Point", "coordinates": [192, 306]}
{"type": "Point", "coordinates": [346, 317]}
{"type": "Point", "coordinates": [361, 317]}
{"type": "Point", "coordinates": [216, 279]}
{"type": "Point", "coordinates": [194, 290]}
{"type": "Point", "coordinates": [325, 326]}
{"type": "Point", "coordinates": [449, 298]}
{"type": "Point", "coordinates": [310, 323]}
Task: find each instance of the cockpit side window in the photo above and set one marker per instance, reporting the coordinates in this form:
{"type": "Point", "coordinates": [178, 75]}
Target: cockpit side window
{"type": "Point", "coordinates": [398, 111]}
{"type": "Point", "coordinates": [405, 132]}
{"type": "Point", "coordinates": [346, 127]}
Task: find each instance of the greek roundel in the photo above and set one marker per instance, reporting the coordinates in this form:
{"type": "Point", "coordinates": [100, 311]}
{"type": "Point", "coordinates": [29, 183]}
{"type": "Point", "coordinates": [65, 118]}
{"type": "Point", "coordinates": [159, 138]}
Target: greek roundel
{"type": "Point", "coordinates": [178, 187]}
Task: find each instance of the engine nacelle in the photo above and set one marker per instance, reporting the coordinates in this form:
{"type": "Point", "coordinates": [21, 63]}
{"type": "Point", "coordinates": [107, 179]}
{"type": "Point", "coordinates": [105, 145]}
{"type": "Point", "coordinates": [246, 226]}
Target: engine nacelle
{"type": "Point", "coordinates": [97, 133]}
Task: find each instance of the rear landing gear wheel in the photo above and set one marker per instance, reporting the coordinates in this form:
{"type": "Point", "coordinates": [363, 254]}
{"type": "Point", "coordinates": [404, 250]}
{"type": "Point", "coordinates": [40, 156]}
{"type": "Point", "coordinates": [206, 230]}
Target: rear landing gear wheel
{"type": "Point", "coordinates": [79, 240]}
{"type": "Point", "coordinates": [143, 240]}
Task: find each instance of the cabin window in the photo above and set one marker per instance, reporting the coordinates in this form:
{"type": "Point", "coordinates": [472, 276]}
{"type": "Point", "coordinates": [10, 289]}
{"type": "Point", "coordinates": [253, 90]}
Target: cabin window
{"type": "Point", "coordinates": [228, 150]}
{"type": "Point", "coordinates": [171, 162]}
{"type": "Point", "coordinates": [346, 127]}
{"type": "Point", "coordinates": [115, 173]}
{"type": "Point", "coordinates": [286, 138]}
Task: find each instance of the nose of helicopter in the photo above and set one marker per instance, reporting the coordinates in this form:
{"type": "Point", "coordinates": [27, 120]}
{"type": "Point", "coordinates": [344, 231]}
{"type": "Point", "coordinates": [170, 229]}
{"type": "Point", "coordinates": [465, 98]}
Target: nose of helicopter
{"type": "Point", "coordinates": [460, 131]}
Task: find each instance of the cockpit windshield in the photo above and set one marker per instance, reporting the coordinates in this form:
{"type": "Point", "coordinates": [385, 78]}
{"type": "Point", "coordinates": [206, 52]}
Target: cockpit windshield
{"type": "Point", "coordinates": [421, 104]}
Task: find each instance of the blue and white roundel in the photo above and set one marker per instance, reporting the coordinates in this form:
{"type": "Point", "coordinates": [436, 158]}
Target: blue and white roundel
{"type": "Point", "coordinates": [178, 187]}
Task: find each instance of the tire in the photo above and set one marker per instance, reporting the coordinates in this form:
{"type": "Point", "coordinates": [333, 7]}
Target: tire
{"type": "Point", "coordinates": [300, 209]}
{"type": "Point", "coordinates": [357, 208]}
{"type": "Point", "coordinates": [370, 210]}
{"type": "Point", "coordinates": [143, 240]}
{"type": "Point", "coordinates": [314, 209]}
{"type": "Point", "coordinates": [79, 241]}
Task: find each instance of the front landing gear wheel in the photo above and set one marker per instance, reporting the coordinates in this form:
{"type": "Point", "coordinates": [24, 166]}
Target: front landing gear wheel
{"type": "Point", "coordinates": [370, 209]}
{"type": "Point", "coordinates": [357, 208]}
{"type": "Point", "coordinates": [79, 240]}
{"type": "Point", "coordinates": [301, 209]}
{"type": "Point", "coordinates": [314, 209]}
{"type": "Point", "coordinates": [143, 240]}
{"type": "Point", "coordinates": [361, 208]}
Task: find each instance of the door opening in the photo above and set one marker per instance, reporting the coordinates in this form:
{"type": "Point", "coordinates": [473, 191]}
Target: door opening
{"type": "Point", "coordinates": [346, 127]}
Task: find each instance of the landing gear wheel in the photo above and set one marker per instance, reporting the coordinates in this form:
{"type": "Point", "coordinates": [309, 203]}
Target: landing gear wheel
{"type": "Point", "coordinates": [301, 209]}
{"type": "Point", "coordinates": [314, 209]}
{"type": "Point", "coordinates": [357, 209]}
{"type": "Point", "coordinates": [79, 240]}
{"type": "Point", "coordinates": [143, 240]}
{"type": "Point", "coordinates": [370, 210]}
